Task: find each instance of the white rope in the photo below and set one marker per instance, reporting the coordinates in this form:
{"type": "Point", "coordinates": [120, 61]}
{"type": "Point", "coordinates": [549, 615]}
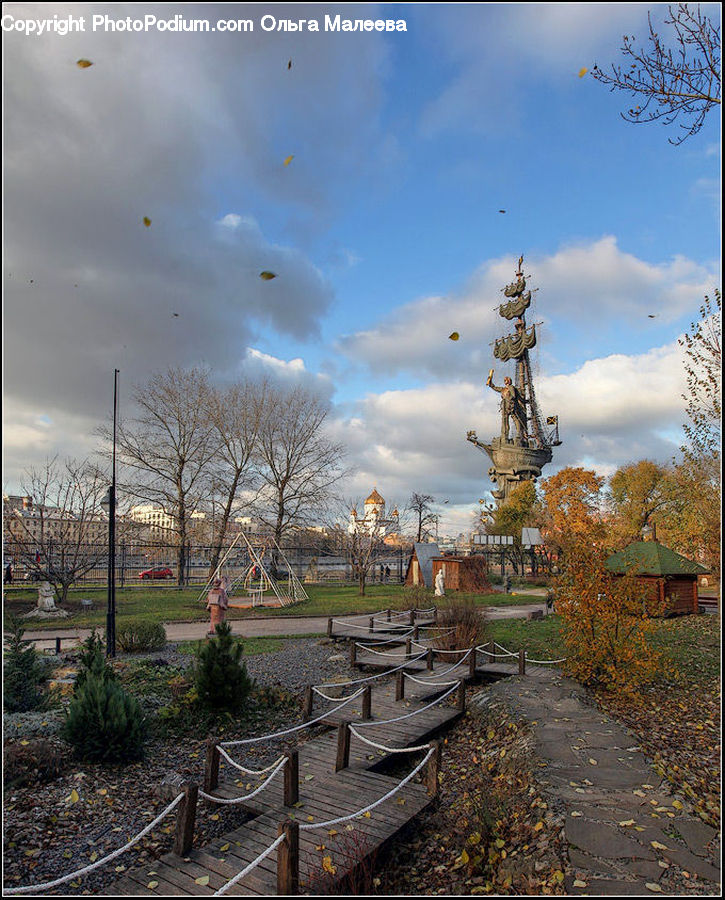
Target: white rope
{"type": "Point", "coordinates": [376, 652]}
{"type": "Point", "coordinates": [361, 812]}
{"type": "Point", "coordinates": [462, 650]}
{"type": "Point", "coordinates": [392, 640]}
{"type": "Point", "coordinates": [247, 869]}
{"type": "Point", "coordinates": [507, 652]}
{"type": "Point", "coordinates": [430, 683]}
{"type": "Point", "coordinates": [254, 793]}
{"type": "Point", "coordinates": [269, 737]}
{"type": "Point", "coordinates": [222, 752]}
{"type": "Point", "coordinates": [407, 715]}
{"type": "Point", "coordinates": [378, 674]}
{"type": "Point", "coordinates": [388, 749]}
{"type": "Point", "coordinates": [350, 624]}
{"type": "Point", "coordinates": [29, 888]}
{"type": "Point", "coordinates": [545, 662]}
{"type": "Point", "coordinates": [331, 699]}
{"type": "Point", "coordinates": [429, 609]}
{"type": "Point", "coordinates": [482, 649]}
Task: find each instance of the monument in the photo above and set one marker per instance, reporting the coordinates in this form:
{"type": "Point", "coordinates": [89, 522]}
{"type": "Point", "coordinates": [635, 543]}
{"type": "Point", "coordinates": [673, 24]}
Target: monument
{"type": "Point", "coordinates": [517, 454]}
{"type": "Point", "coordinates": [46, 608]}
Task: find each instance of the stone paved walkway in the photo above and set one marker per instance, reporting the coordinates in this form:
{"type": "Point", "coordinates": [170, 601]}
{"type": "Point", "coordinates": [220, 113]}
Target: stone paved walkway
{"type": "Point", "coordinates": [624, 827]}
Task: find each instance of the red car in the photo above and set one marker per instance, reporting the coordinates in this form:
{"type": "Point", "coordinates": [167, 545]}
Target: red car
{"type": "Point", "coordinates": [157, 573]}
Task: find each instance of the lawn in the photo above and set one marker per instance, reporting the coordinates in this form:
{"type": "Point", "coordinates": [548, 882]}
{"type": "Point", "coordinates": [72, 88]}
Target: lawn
{"type": "Point", "coordinates": [173, 605]}
{"type": "Point", "coordinates": [253, 646]}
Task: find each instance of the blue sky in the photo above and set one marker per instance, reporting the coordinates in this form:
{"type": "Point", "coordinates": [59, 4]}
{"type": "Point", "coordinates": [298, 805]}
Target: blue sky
{"type": "Point", "coordinates": [384, 230]}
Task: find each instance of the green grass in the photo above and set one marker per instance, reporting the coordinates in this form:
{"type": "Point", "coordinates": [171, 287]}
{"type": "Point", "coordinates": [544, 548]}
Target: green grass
{"type": "Point", "coordinates": [541, 638]}
{"type": "Point", "coordinates": [173, 605]}
{"type": "Point", "coordinates": [253, 646]}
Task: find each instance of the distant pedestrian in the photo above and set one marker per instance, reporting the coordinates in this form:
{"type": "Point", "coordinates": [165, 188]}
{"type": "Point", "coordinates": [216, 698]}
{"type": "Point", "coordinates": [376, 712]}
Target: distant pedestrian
{"type": "Point", "coordinates": [507, 584]}
{"type": "Point", "coordinates": [8, 579]}
{"type": "Point", "coordinates": [387, 574]}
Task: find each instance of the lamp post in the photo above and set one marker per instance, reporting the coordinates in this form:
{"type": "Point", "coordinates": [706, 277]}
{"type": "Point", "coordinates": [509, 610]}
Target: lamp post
{"type": "Point", "coordinates": [109, 504]}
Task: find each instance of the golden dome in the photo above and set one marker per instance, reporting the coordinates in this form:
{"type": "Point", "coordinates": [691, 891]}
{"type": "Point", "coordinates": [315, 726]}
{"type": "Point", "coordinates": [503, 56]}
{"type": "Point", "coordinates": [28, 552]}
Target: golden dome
{"type": "Point", "coordinates": [374, 498]}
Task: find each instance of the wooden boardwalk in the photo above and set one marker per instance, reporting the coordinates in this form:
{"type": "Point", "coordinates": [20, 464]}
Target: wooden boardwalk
{"type": "Point", "coordinates": [326, 854]}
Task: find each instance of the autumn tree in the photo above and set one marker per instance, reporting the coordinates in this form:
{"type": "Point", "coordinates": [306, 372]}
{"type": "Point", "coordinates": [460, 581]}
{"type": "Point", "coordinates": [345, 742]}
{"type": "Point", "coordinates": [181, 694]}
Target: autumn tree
{"type": "Point", "coordinates": [571, 507]}
{"type": "Point", "coordinates": [62, 535]}
{"type": "Point", "coordinates": [638, 497]}
{"type": "Point", "coordinates": [607, 620]}
{"type": "Point", "coordinates": [514, 515]}
{"type": "Point", "coordinates": [703, 367]}
{"type": "Point", "coordinates": [297, 462]}
{"type": "Point", "coordinates": [421, 510]}
{"type": "Point", "coordinates": [676, 77]}
{"type": "Point", "coordinates": [167, 449]}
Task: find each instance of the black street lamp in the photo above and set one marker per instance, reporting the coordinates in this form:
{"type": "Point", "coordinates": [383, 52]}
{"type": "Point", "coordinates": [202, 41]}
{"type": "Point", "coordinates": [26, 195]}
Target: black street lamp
{"type": "Point", "coordinates": [109, 504]}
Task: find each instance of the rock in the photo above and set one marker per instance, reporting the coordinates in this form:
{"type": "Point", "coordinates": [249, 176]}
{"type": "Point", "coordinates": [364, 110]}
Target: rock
{"type": "Point", "coordinates": [336, 657]}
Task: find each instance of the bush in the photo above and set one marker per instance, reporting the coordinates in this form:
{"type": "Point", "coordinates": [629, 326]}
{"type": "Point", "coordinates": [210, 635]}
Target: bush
{"type": "Point", "coordinates": [33, 762]}
{"type": "Point", "coordinates": [461, 625]}
{"type": "Point", "coordinates": [104, 723]}
{"type": "Point", "coordinates": [140, 637]}
{"type": "Point", "coordinates": [23, 671]}
{"type": "Point", "coordinates": [92, 661]}
{"type": "Point", "coordinates": [220, 676]}
{"type": "Point", "coordinates": [418, 596]}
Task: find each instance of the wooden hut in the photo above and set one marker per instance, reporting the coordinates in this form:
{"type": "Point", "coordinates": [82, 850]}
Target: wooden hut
{"type": "Point", "coordinates": [419, 566]}
{"type": "Point", "coordinates": [670, 576]}
{"type": "Point", "coordinates": [463, 573]}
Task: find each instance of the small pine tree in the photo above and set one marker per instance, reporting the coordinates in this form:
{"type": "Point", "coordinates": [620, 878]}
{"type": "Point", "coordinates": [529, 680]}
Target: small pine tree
{"type": "Point", "coordinates": [23, 671]}
{"type": "Point", "coordinates": [221, 678]}
{"type": "Point", "coordinates": [104, 723]}
{"type": "Point", "coordinates": [92, 661]}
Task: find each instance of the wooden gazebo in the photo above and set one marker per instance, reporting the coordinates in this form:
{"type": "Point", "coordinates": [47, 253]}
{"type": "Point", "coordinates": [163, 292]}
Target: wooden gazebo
{"type": "Point", "coordinates": [670, 576]}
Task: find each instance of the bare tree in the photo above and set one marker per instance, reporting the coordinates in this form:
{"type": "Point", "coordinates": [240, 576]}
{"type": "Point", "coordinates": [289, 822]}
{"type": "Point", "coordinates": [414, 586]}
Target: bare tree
{"type": "Point", "coordinates": [298, 463]}
{"type": "Point", "coordinates": [671, 83]}
{"type": "Point", "coordinates": [168, 448]}
{"type": "Point", "coordinates": [420, 507]}
{"type": "Point", "coordinates": [237, 414]}
{"type": "Point", "coordinates": [61, 533]}
{"type": "Point", "coordinates": [703, 366]}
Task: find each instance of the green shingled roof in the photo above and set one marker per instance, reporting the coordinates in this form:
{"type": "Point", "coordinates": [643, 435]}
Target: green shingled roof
{"type": "Point", "coordinates": [651, 558]}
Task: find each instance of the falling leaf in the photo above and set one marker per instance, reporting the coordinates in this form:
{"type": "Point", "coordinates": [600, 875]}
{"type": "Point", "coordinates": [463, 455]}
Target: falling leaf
{"type": "Point", "coordinates": [24, 743]}
{"type": "Point", "coordinates": [367, 814]}
{"type": "Point", "coordinates": [83, 63]}
{"type": "Point", "coordinates": [202, 880]}
{"type": "Point", "coordinates": [267, 276]}
{"type": "Point", "coordinates": [538, 826]}
{"type": "Point", "coordinates": [288, 160]}
{"type": "Point", "coordinates": [289, 65]}
{"type": "Point", "coordinates": [583, 71]}
{"type": "Point", "coordinates": [453, 336]}
{"type": "Point", "coordinates": [310, 818]}
{"type": "Point", "coordinates": [147, 223]}
{"type": "Point", "coordinates": [214, 817]}
{"type": "Point", "coordinates": [502, 210]}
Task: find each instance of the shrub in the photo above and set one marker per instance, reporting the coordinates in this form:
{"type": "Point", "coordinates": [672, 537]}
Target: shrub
{"type": "Point", "coordinates": [33, 761]}
{"type": "Point", "coordinates": [220, 676]}
{"type": "Point", "coordinates": [23, 671]}
{"type": "Point", "coordinates": [104, 723]}
{"type": "Point", "coordinates": [139, 637]}
{"type": "Point", "coordinates": [418, 596]}
{"type": "Point", "coordinates": [461, 625]}
{"type": "Point", "coordinates": [92, 661]}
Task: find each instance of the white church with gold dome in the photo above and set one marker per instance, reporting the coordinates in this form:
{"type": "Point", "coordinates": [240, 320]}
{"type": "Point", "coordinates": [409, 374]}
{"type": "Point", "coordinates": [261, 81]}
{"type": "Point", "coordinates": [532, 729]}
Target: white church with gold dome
{"type": "Point", "coordinates": [374, 519]}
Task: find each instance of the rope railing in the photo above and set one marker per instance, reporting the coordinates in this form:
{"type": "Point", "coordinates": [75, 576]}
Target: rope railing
{"type": "Point", "coordinates": [269, 737]}
{"type": "Point", "coordinates": [371, 806]}
{"type": "Point", "coordinates": [546, 662]}
{"type": "Point", "coordinates": [387, 749]}
{"type": "Point", "coordinates": [430, 683]}
{"type": "Point", "coordinates": [374, 722]}
{"type": "Point", "coordinates": [377, 674]}
{"type": "Point", "coordinates": [47, 885]}
{"type": "Point", "coordinates": [252, 865]}
{"type": "Point", "coordinates": [234, 800]}
{"type": "Point", "coordinates": [241, 768]}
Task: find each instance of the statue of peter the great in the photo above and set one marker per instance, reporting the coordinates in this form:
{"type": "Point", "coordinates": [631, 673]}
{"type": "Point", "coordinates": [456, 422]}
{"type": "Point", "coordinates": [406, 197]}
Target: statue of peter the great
{"type": "Point", "coordinates": [512, 407]}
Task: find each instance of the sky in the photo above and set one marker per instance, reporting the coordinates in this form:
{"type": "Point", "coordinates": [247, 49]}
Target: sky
{"type": "Point", "coordinates": [385, 229]}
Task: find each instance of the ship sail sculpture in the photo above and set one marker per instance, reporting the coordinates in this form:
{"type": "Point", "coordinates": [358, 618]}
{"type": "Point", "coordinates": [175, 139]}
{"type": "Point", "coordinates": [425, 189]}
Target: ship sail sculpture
{"type": "Point", "coordinates": [521, 456]}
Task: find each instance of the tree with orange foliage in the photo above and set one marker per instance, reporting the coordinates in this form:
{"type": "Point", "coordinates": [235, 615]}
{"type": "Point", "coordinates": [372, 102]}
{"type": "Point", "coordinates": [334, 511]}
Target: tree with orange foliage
{"type": "Point", "coordinates": [607, 619]}
{"type": "Point", "coordinates": [571, 507]}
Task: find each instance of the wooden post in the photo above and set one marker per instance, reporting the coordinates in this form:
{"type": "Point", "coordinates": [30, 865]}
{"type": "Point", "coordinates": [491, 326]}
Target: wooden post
{"type": "Point", "coordinates": [329, 628]}
{"type": "Point", "coordinates": [411, 618]}
{"type": "Point", "coordinates": [492, 651]}
{"type": "Point", "coordinates": [57, 646]}
{"type": "Point", "coordinates": [522, 661]}
{"type": "Point", "coordinates": [353, 653]}
{"type": "Point", "coordinates": [400, 685]}
{"type": "Point", "coordinates": [416, 632]}
{"type": "Point", "coordinates": [432, 770]}
{"type": "Point", "coordinates": [429, 659]}
{"type": "Point", "coordinates": [307, 702]}
{"type": "Point", "coordinates": [291, 778]}
{"type": "Point", "coordinates": [288, 859]}
{"type": "Point", "coordinates": [408, 652]}
{"type": "Point", "coordinates": [472, 663]}
{"type": "Point", "coordinates": [388, 612]}
{"type": "Point", "coordinates": [211, 770]}
{"type": "Point", "coordinates": [185, 818]}
{"type": "Point", "coordinates": [343, 746]}
{"type": "Point", "coordinates": [371, 625]}
{"type": "Point", "coordinates": [461, 696]}
{"type": "Point", "coordinates": [367, 702]}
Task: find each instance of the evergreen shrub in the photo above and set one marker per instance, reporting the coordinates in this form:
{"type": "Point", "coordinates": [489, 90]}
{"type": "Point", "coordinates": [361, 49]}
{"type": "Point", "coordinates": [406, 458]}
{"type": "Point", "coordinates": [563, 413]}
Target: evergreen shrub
{"type": "Point", "coordinates": [23, 671]}
{"type": "Point", "coordinates": [220, 676]}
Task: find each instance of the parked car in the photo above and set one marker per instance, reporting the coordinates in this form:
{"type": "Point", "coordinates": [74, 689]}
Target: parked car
{"type": "Point", "coordinates": [158, 572]}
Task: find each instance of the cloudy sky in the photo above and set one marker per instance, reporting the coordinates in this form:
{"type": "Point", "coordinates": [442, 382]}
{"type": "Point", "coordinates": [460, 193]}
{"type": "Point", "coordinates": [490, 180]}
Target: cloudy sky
{"type": "Point", "coordinates": [385, 229]}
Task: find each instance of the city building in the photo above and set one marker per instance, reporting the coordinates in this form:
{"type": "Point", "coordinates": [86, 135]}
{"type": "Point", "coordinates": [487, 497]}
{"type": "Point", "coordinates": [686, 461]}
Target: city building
{"type": "Point", "coordinates": [374, 520]}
